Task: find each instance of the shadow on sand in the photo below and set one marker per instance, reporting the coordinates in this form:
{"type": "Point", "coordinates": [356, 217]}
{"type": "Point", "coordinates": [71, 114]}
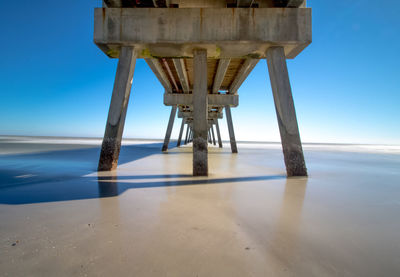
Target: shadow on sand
{"type": "Point", "coordinates": [60, 175]}
{"type": "Point", "coordinates": [113, 186]}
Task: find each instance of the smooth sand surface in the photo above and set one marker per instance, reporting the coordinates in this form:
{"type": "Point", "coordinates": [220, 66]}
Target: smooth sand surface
{"type": "Point", "coordinates": [152, 218]}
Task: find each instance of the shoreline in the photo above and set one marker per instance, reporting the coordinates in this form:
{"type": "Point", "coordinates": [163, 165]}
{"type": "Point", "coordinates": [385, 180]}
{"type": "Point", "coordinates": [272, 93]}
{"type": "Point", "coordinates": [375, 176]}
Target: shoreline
{"type": "Point", "coordinates": [340, 147]}
{"type": "Point", "coordinates": [59, 216]}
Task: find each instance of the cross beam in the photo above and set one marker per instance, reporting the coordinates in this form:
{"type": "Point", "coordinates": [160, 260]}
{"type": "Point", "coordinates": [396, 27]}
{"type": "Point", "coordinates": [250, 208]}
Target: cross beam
{"type": "Point", "coordinates": [172, 99]}
{"type": "Point", "coordinates": [211, 115]}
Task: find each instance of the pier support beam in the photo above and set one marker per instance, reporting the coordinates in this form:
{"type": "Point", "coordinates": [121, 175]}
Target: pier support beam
{"type": "Point", "coordinates": [200, 110]}
{"type": "Point", "coordinates": [213, 134]}
{"type": "Point", "coordinates": [285, 111]}
{"type": "Point", "coordinates": [218, 134]}
{"type": "Point", "coordinates": [187, 134]}
{"type": "Point", "coordinates": [111, 145]}
{"type": "Point", "coordinates": [180, 133]}
{"type": "Point", "coordinates": [230, 129]}
{"type": "Point", "coordinates": [169, 128]}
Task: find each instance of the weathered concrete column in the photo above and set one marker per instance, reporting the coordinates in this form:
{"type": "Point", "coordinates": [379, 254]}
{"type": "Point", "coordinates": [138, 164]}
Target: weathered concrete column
{"type": "Point", "coordinates": [169, 128]}
{"type": "Point", "coordinates": [218, 133]}
{"type": "Point", "coordinates": [200, 104]}
{"type": "Point", "coordinates": [213, 134]}
{"type": "Point", "coordinates": [187, 134]}
{"type": "Point", "coordinates": [180, 133]}
{"type": "Point", "coordinates": [230, 129]}
{"type": "Point", "coordinates": [116, 115]}
{"type": "Point", "coordinates": [285, 111]}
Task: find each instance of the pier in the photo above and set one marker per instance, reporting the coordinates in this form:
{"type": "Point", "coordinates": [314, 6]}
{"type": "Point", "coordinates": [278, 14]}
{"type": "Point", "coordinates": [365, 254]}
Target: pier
{"type": "Point", "coordinates": [201, 51]}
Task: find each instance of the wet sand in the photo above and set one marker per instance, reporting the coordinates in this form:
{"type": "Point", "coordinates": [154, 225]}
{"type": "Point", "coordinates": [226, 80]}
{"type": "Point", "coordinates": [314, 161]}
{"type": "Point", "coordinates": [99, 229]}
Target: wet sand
{"type": "Point", "coordinates": [58, 217]}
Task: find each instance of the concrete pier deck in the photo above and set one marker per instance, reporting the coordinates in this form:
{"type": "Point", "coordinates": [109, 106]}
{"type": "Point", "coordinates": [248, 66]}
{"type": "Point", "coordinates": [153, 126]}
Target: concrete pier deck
{"type": "Point", "coordinates": [59, 217]}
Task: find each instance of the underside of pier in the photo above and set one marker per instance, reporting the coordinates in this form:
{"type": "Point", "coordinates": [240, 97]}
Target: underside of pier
{"type": "Point", "coordinates": [201, 52]}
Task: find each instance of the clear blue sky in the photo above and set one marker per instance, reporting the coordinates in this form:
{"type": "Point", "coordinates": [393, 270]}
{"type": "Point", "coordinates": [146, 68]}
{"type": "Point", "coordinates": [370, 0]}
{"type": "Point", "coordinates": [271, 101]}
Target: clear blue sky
{"type": "Point", "coordinates": [55, 82]}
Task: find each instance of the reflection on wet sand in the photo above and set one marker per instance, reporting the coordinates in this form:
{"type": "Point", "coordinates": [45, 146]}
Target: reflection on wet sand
{"type": "Point", "coordinates": [152, 218]}
{"type": "Point", "coordinates": [285, 236]}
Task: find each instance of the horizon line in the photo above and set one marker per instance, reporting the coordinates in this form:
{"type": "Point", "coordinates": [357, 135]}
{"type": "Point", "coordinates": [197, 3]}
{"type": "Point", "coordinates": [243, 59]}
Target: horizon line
{"type": "Point", "coordinates": [226, 141]}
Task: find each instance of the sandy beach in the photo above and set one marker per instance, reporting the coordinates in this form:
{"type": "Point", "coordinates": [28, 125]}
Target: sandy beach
{"type": "Point", "coordinates": [59, 217]}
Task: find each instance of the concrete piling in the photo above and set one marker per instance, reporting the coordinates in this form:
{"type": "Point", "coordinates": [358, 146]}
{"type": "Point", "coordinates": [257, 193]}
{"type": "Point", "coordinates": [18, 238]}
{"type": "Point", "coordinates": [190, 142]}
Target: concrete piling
{"type": "Point", "coordinates": [218, 133]}
{"type": "Point", "coordinates": [169, 128]}
{"type": "Point", "coordinates": [200, 109]}
{"type": "Point", "coordinates": [213, 135]}
{"type": "Point", "coordinates": [180, 133]}
{"type": "Point", "coordinates": [230, 129]}
{"type": "Point", "coordinates": [111, 145]}
{"type": "Point", "coordinates": [187, 134]}
{"type": "Point", "coordinates": [285, 111]}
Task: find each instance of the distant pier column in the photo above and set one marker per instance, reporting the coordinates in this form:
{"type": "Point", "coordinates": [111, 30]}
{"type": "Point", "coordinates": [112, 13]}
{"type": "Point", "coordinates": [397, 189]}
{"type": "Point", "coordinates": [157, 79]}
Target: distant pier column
{"type": "Point", "coordinates": [209, 135]}
{"type": "Point", "coordinates": [200, 109]}
{"type": "Point", "coordinates": [230, 129]}
{"type": "Point", "coordinates": [218, 134]}
{"type": "Point", "coordinates": [180, 133]}
{"type": "Point", "coordinates": [169, 128]}
{"type": "Point", "coordinates": [111, 145]}
{"type": "Point", "coordinates": [285, 111]}
{"type": "Point", "coordinates": [190, 135]}
{"type": "Point", "coordinates": [187, 133]}
{"type": "Point", "coordinates": [213, 134]}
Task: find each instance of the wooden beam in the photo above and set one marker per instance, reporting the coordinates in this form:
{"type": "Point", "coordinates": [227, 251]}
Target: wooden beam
{"type": "Point", "coordinates": [171, 76]}
{"type": "Point", "coordinates": [113, 3]}
{"type": "Point", "coordinates": [200, 109]}
{"type": "Point", "coordinates": [288, 3]}
{"type": "Point", "coordinates": [285, 111]}
{"type": "Point", "coordinates": [169, 128]}
{"type": "Point", "coordinates": [155, 66]}
{"type": "Point", "coordinates": [111, 145]}
{"type": "Point", "coordinates": [182, 74]}
{"type": "Point", "coordinates": [244, 71]}
{"type": "Point", "coordinates": [219, 76]}
{"type": "Point", "coordinates": [295, 3]}
{"type": "Point", "coordinates": [239, 3]}
{"type": "Point", "coordinates": [244, 3]}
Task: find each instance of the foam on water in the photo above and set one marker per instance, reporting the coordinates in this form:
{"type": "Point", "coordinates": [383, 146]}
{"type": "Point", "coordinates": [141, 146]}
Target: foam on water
{"type": "Point", "coordinates": [365, 148]}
